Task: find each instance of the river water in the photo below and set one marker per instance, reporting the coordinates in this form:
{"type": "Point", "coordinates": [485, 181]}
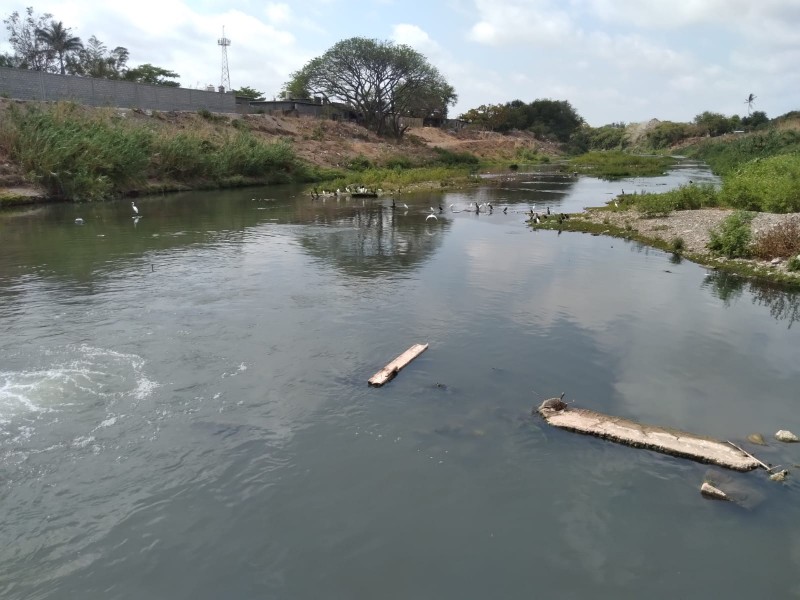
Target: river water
{"type": "Point", "coordinates": [184, 410]}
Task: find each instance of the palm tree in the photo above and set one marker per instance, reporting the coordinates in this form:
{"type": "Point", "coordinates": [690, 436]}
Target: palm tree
{"type": "Point", "coordinates": [750, 99]}
{"type": "Point", "coordinates": [60, 40]}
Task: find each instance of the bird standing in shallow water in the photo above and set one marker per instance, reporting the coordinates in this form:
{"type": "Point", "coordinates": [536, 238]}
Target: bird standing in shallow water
{"type": "Point", "coordinates": [135, 210]}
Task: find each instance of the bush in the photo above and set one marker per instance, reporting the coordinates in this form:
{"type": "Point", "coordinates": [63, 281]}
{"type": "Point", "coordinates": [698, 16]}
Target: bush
{"type": "Point", "coordinates": [654, 205]}
{"type": "Point", "coordinates": [732, 237]}
{"type": "Point", "coordinates": [359, 163]}
{"type": "Point", "coordinates": [793, 264]}
{"type": "Point", "coordinates": [769, 184]}
{"type": "Point", "coordinates": [781, 241]}
{"type": "Point", "coordinates": [677, 245]}
{"type": "Point", "coordinates": [453, 159]}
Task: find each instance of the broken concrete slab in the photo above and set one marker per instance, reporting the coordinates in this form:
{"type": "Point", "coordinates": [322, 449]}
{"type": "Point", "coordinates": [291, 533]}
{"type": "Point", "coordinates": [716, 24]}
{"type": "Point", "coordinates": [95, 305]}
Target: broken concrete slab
{"type": "Point", "coordinates": [638, 435]}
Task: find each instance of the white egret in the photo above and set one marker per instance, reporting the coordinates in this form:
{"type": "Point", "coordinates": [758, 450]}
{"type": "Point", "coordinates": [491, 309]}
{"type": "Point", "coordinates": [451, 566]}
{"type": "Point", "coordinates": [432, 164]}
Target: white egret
{"type": "Point", "coordinates": [78, 221]}
{"type": "Point", "coordinates": [135, 210]}
{"type": "Point", "coordinates": [432, 216]}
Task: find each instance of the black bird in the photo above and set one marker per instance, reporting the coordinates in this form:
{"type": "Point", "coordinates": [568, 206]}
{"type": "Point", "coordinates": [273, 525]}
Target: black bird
{"type": "Point", "coordinates": [440, 208]}
{"type": "Point", "coordinates": [548, 210]}
{"type": "Point", "coordinates": [505, 210]}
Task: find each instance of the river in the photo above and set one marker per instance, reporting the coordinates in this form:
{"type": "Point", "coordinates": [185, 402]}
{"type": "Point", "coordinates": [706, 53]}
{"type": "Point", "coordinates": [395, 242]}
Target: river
{"type": "Point", "coordinates": [184, 410]}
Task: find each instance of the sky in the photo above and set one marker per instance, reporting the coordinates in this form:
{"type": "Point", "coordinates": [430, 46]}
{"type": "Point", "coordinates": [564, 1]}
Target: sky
{"type": "Point", "coordinates": [613, 60]}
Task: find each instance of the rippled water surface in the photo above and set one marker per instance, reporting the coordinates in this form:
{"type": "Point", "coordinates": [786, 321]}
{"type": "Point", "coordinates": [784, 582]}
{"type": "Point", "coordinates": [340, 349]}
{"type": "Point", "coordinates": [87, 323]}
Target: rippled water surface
{"type": "Point", "coordinates": [184, 410]}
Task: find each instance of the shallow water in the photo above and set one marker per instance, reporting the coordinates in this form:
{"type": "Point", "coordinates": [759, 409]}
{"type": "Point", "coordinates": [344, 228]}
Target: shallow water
{"type": "Point", "coordinates": [184, 410]}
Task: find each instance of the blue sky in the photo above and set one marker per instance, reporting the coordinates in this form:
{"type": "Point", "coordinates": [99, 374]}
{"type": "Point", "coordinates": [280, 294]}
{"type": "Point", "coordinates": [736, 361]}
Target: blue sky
{"type": "Point", "coordinates": [613, 60]}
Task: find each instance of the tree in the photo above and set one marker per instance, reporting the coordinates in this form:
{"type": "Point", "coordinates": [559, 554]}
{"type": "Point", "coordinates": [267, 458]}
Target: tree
{"type": "Point", "coordinates": [59, 41]}
{"type": "Point", "coordinates": [381, 81]}
{"type": "Point", "coordinates": [713, 123]}
{"type": "Point", "coordinates": [759, 117]}
{"type": "Point", "coordinates": [94, 60]}
{"type": "Point", "coordinates": [248, 92]}
{"type": "Point", "coordinates": [29, 51]}
{"type": "Point", "coordinates": [749, 101]}
{"type": "Point", "coordinates": [148, 73]}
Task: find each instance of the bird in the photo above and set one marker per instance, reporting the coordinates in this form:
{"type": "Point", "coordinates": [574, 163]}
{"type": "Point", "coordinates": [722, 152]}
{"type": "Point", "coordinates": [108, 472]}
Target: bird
{"type": "Point", "coordinates": [505, 210]}
{"type": "Point", "coordinates": [548, 210]}
{"type": "Point", "coordinates": [78, 221]}
{"type": "Point", "coordinates": [135, 210]}
{"type": "Point", "coordinates": [432, 216]}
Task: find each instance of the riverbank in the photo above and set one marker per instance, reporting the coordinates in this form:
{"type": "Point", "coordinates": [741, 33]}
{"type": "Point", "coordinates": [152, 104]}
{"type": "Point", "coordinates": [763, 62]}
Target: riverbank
{"type": "Point", "coordinates": [692, 227]}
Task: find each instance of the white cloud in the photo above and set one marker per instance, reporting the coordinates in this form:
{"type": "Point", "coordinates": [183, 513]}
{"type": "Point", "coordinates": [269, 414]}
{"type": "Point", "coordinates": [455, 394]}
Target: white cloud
{"type": "Point", "coordinates": [535, 22]}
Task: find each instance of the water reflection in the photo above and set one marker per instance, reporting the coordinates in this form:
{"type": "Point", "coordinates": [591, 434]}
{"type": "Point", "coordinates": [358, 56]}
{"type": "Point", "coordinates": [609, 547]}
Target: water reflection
{"type": "Point", "coordinates": [783, 303]}
{"type": "Point", "coordinates": [374, 241]}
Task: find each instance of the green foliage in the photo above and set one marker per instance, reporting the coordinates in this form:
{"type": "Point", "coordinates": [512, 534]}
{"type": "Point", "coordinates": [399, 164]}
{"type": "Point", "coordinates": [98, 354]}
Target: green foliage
{"type": "Point", "coordinates": [608, 137]}
{"type": "Point", "coordinates": [726, 157]}
{"type": "Point", "coordinates": [793, 264]}
{"type": "Point", "coordinates": [732, 237]}
{"type": "Point", "coordinates": [677, 245]}
{"type": "Point", "coordinates": [452, 159]}
{"type": "Point", "coordinates": [769, 184]}
{"type": "Point", "coordinates": [91, 156]}
{"type": "Point", "coordinates": [655, 205]}
{"type": "Point", "coordinates": [395, 179]}
{"type": "Point", "coordinates": [549, 119]}
{"type": "Point", "coordinates": [152, 75]}
{"type": "Point", "coordinates": [353, 71]}
{"type": "Point", "coordinates": [359, 163]}
{"type": "Point", "coordinates": [248, 92]}
{"type": "Point", "coordinates": [77, 157]}
{"type": "Point", "coordinates": [667, 134]}
{"type": "Point", "coordinates": [59, 41]}
{"type": "Point", "coordinates": [712, 123]}
{"type": "Point", "coordinates": [613, 165]}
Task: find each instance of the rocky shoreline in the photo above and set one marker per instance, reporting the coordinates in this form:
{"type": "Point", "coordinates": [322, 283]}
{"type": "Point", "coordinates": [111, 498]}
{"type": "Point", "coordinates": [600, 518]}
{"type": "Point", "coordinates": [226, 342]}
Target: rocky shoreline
{"type": "Point", "coordinates": [693, 227]}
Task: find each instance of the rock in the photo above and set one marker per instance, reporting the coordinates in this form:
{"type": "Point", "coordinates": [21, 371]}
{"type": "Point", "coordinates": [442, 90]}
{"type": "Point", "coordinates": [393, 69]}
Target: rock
{"type": "Point", "coordinates": [775, 261]}
{"type": "Point", "coordinates": [779, 476]}
{"type": "Point", "coordinates": [757, 438]}
{"type": "Point", "coordinates": [786, 436]}
{"type": "Point", "coordinates": [711, 492]}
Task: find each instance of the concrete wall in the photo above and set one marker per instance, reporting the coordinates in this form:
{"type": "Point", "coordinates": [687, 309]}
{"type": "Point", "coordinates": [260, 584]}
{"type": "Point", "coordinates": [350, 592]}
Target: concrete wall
{"type": "Point", "coordinates": [24, 84]}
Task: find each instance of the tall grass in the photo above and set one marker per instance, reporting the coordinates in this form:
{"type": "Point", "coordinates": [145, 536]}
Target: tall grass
{"type": "Point", "coordinates": [617, 164]}
{"type": "Point", "coordinates": [82, 155]}
{"type": "Point", "coordinates": [74, 156]}
{"type": "Point", "coordinates": [769, 184]}
{"type": "Point", "coordinates": [726, 156]}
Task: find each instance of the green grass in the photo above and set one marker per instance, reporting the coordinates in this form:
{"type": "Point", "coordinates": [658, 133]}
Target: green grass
{"type": "Point", "coordinates": [770, 184]}
{"type": "Point", "coordinates": [726, 156]}
{"type": "Point", "coordinates": [733, 236]}
{"type": "Point", "coordinates": [396, 179]}
{"type": "Point", "coordinates": [80, 155]}
{"type": "Point", "coordinates": [617, 164]}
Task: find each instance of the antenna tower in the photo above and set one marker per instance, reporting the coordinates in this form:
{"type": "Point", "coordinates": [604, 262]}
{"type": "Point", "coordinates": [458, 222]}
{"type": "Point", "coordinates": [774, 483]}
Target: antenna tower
{"type": "Point", "coordinates": [225, 80]}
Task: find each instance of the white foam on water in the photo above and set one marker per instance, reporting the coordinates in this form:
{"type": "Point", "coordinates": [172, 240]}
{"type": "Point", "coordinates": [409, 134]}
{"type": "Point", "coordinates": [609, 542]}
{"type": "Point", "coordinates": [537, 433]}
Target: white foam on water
{"type": "Point", "coordinates": [77, 376]}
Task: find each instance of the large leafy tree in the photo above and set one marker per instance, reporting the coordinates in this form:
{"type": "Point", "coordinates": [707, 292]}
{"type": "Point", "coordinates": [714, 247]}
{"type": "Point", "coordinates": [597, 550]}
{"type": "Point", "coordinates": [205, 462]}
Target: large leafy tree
{"type": "Point", "coordinates": [381, 81]}
{"type": "Point", "coordinates": [551, 119]}
{"type": "Point", "coordinates": [95, 60]}
{"type": "Point", "coordinates": [59, 41]}
{"type": "Point", "coordinates": [153, 75]}
{"type": "Point", "coordinates": [30, 52]}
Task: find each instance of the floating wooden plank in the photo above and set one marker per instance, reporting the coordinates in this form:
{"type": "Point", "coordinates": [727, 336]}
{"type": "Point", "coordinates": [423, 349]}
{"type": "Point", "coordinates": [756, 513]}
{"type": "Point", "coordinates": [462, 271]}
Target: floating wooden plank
{"type": "Point", "coordinates": [388, 372]}
{"type": "Point", "coordinates": [661, 439]}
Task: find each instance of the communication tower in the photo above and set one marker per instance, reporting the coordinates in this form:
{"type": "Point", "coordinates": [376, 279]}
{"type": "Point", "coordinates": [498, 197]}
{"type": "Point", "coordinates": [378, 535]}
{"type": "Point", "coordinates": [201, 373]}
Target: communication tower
{"type": "Point", "coordinates": [225, 80]}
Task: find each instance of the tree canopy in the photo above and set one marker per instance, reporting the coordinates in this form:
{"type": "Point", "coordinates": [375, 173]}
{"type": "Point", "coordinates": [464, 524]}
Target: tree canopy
{"type": "Point", "coordinates": [153, 75]}
{"type": "Point", "coordinates": [41, 43]}
{"type": "Point", "coordinates": [381, 81]}
{"type": "Point", "coordinates": [549, 119]}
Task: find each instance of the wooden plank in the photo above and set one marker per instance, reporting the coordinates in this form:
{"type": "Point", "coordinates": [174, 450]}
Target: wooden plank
{"type": "Point", "coordinates": [388, 372]}
{"type": "Point", "coordinates": [638, 435]}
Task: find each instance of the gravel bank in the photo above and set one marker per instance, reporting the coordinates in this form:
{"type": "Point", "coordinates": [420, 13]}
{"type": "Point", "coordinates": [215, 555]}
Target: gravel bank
{"type": "Point", "coordinates": [691, 225]}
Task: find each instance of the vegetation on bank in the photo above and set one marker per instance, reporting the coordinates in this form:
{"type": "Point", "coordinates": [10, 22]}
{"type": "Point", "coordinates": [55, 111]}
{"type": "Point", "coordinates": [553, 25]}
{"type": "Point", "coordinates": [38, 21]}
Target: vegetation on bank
{"type": "Point", "coordinates": [617, 164]}
{"type": "Point", "coordinates": [91, 155]}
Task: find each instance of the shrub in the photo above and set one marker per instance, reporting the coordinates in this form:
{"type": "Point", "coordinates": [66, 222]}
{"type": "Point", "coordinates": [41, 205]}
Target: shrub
{"type": "Point", "coordinates": [770, 184]}
{"type": "Point", "coordinates": [781, 241]}
{"type": "Point", "coordinates": [732, 237]}
{"type": "Point", "coordinates": [793, 264]}
{"type": "Point", "coordinates": [450, 158]}
{"type": "Point", "coordinates": [677, 245]}
{"type": "Point", "coordinates": [359, 163]}
{"type": "Point", "coordinates": [655, 205]}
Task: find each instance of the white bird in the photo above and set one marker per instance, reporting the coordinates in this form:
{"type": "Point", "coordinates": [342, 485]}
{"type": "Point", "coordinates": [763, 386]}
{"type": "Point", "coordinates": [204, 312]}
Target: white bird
{"type": "Point", "coordinates": [432, 216]}
{"type": "Point", "coordinates": [135, 210]}
{"type": "Point", "coordinates": [78, 221]}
